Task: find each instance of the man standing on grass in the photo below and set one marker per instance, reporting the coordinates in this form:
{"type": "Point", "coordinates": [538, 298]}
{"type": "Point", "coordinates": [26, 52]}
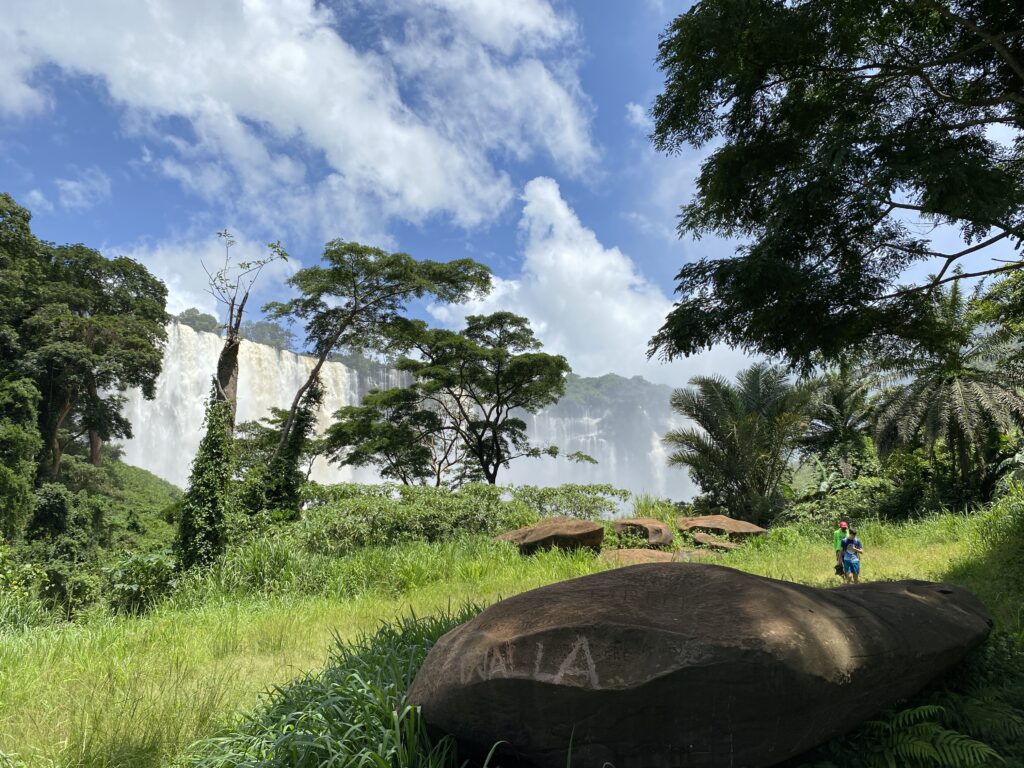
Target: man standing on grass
{"type": "Point", "coordinates": [837, 540]}
{"type": "Point", "coordinates": [852, 550]}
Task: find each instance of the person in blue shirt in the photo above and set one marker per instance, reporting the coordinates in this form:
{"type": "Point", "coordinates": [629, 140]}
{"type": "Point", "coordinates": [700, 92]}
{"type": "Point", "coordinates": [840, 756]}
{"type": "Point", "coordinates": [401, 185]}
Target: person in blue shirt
{"type": "Point", "coordinates": [852, 550]}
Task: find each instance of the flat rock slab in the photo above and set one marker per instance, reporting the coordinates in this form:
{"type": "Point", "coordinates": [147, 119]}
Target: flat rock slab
{"type": "Point", "coordinates": [721, 524]}
{"type": "Point", "coordinates": [560, 532]}
{"type": "Point", "coordinates": [690, 555]}
{"type": "Point", "coordinates": [684, 664]}
{"type": "Point", "coordinates": [656, 532]}
{"type": "Point", "coordinates": [637, 556]}
{"type": "Point", "coordinates": [707, 540]}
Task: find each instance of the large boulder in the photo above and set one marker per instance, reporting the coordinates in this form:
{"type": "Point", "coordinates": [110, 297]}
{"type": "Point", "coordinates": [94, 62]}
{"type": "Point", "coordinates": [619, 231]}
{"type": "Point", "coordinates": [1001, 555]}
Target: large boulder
{"type": "Point", "coordinates": [560, 532]}
{"type": "Point", "coordinates": [656, 532]}
{"type": "Point", "coordinates": [720, 524]}
{"type": "Point", "coordinates": [706, 540]}
{"type": "Point", "coordinates": [684, 664]}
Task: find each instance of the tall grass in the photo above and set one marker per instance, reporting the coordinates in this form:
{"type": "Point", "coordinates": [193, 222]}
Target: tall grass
{"type": "Point", "coordinates": [137, 692]}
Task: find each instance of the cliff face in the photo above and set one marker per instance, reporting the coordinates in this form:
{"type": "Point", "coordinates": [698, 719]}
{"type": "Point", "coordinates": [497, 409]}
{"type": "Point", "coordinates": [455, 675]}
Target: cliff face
{"type": "Point", "coordinates": [616, 420]}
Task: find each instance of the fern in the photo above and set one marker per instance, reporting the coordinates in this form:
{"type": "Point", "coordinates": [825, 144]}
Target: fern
{"type": "Point", "coordinates": [917, 738]}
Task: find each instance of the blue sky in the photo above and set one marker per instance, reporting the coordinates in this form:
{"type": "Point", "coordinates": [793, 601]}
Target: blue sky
{"type": "Point", "coordinates": [511, 132]}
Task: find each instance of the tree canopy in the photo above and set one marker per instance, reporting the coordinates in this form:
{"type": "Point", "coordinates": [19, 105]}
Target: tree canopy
{"type": "Point", "coordinates": [962, 387]}
{"type": "Point", "coordinates": [744, 436]}
{"type": "Point", "coordinates": [200, 321]}
{"type": "Point", "coordinates": [356, 300]}
{"type": "Point", "coordinates": [82, 327]}
{"type": "Point", "coordinates": [484, 377]}
{"type": "Point", "coordinates": [851, 141]}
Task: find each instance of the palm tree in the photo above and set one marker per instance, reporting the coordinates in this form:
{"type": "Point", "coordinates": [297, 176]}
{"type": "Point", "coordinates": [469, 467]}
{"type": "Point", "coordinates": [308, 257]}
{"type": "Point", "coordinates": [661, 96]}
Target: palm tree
{"type": "Point", "coordinates": [960, 386]}
{"type": "Point", "coordinates": [840, 417]}
{"type": "Point", "coordinates": [739, 451]}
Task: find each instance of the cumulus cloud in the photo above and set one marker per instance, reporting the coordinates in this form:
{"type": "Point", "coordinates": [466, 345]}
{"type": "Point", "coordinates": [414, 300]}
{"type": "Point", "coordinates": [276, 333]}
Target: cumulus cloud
{"type": "Point", "coordinates": [315, 118]}
{"type": "Point", "coordinates": [87, 190]}
{"type": "Point", "coordinates": [35, 200]}
{"type": "Point", "coordinates": [637, 116]}
{"type": "Point", "coordinates": [586, 301]}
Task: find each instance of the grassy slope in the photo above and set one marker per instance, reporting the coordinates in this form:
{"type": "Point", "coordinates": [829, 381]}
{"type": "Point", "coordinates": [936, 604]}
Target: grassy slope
{"type": "Point", "coordinates": [136, 692]}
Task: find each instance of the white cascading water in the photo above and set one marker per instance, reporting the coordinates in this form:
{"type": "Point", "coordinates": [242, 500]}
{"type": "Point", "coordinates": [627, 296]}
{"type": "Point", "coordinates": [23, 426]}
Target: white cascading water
{"type": "Point", "coordinates": [167, 429]}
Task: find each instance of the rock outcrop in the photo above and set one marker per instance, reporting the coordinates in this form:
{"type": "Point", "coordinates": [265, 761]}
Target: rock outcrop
{"type": "Point", "coordinates": [656, 532]}
{"type": "Point", "coordinates": [560, 532]}
{"type": "Point", "coordinates": [720, 524]}
{"type": "Point", "coordinates": [683, 664]}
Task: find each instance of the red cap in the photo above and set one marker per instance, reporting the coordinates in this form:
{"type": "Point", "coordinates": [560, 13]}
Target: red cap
{"type": "Point", "coordinates": [843, 524]}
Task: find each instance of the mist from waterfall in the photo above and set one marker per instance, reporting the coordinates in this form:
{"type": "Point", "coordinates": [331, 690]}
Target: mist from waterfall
{"type": "Point", "coordinates": [623, 435]}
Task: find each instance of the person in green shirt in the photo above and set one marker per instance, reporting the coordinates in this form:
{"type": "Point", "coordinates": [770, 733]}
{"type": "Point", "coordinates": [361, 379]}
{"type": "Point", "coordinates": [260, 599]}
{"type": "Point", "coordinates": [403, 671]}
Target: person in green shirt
{"type": "Point", "coordinates": [837, 542]}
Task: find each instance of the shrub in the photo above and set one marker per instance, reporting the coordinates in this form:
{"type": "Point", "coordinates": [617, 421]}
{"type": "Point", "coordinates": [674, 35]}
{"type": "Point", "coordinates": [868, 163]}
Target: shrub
{"type": "Point", "coordinates": [587, 502]}
{"type": "Point", "coordinates": [417, 514]}
{"type": "Point", "coordinates": [137, 581]}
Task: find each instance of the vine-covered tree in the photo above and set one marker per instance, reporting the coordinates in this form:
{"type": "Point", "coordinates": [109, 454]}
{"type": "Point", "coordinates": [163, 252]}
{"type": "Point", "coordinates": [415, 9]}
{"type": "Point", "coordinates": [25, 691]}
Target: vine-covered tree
{"type": "Point", "coordinates": [355, 300]}
{"type": "Point", "coordinates": [852, 141]}
{"type": "Point", "coordinates": [487, 375]}
{"type": "Point", "coordinates": [19, 448]}
{"type": "Point", "coordinates": [276, 485]}
{"type": "Point", "coordinates": [961, 386]}
{"type": "Point", "coordinates": [745, 435]}
{"type": "Point", "coordinates": [201, 528]}
{"type": "Point", "coordinates": [20, 442]}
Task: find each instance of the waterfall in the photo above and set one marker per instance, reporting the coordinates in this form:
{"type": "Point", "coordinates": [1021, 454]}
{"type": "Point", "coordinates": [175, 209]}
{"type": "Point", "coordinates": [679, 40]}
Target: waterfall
{"type": "Point", "coordinates": [617, 421]}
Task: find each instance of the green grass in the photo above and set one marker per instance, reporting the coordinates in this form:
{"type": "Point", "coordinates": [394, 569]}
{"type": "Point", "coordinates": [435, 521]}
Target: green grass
{"type": "Point", "coordinates": [138, 691]}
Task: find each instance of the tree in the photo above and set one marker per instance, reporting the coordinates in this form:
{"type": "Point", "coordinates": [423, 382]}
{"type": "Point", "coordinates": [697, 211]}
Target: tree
{"type": "Point", "coordinates": [406, 434]}
{"type": "Point", "coordinates": [98, 327]}
{"type": "Point", "coordinates": [201, 528]}
{"type": "Point", "coordinates": [961, 386]}
{"type": "Point", "coordinates": [231, 285]}
{"type": "Point", "coordinates": [269, 333]}
{"type": "Point", "coordinates": [200, 321]}
{"type": "Point", "coordinates": [276, 485]}
{"type": "Point", "coordinates": [20, 442]}
{"type": "Point", "coordinates": [482, 378]}
{"type": "Point", "coordinates": [840, 416]}
{"type": "Point", "coordinates": [746, 433]}
{"type": "Point", "coordinates": [19, 447]}
{"type": "Point", "coordinates": [851, 139]}
{"type": "Point", "coordinates": [356, 301]}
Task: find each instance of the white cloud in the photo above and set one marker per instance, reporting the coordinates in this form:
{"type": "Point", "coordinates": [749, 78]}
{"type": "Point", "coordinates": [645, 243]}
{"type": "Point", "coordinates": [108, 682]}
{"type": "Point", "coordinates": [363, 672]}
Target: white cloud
{"type": "Point", "coordinates": [35, 200]}
{"type": "Point", "coordinates": [637, 116]}
{"type": "Point", "coordinates": [305, 121]}
{"type": "Point", "coordinates": [586, 301]}
{"type": "Point", "coordinates": [90, 188]}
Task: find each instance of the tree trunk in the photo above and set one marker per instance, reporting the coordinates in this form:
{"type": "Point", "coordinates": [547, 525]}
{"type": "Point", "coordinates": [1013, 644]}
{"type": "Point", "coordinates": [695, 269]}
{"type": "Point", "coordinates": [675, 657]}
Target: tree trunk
{"type": "Point", "coordinates": [57, 451]}
{"type": "Point", "coordinates": [95, 445]}
{"type": "Point", "coordinates": [227, 376]}
{"type": "Point", "coordinates": [313, 375]}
